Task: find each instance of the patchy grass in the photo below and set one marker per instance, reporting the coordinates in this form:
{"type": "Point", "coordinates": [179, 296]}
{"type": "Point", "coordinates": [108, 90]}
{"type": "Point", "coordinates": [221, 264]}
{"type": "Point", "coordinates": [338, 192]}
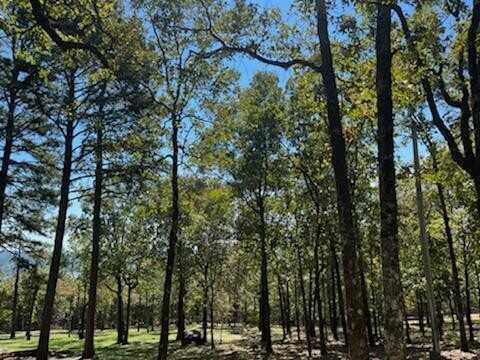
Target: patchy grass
{"type": "Point", "coordinates": [241, 345]}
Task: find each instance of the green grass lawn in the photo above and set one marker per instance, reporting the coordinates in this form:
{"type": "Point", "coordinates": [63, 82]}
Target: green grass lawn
{"type": "Point", "coordinates": [142, 345]}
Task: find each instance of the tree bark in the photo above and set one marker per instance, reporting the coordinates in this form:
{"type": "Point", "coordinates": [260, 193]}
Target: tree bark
{"type": "Point", "coordinates": [392, 294]}
{"type": "Point", "coordinates": [89, 346]}
{"type": "Point", "coordinates": [316, 260]}
{"type": "Point", "coordinates": [15, 301]}
{"type": "Point", "coordinates": [468, 299]}
{"type": "Point", "coordinates": [264, 301]}
{"type": "Point", "coordinates": [205, 304]}
{"type": "Point", "coordinates": [31, 307]}
{"type": "Point", "coordinates": [127, 320]}
{"type": "Point", "coordinates": [8, 144]}
{"type": "Point", "coordinates": [356, 332]}
{"type": "Point", "coordinates": [120, 322]}
{"type": "Point", "coordinates": [181, 298]}
{"type": "Point", "coordinates": [42, 350]}
{"type": "Point", "coordinates": [172, 244]}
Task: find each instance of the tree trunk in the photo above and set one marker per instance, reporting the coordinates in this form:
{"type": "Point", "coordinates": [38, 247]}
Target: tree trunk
{"type": "Point", "coordinates": [316, 260]}
{"type": "Point", "coordinates": [306, 323]}
{"type": "Point", "coordinates": [425, 247]}
{"type": "Point", "coordinates": [333, 308]}
{"type": "Point", "coordinates": [420, 314]}
{"type": "Point", "coordinates": [212, 322]}
{"type": "Point", "coordinates": [172, 244]}
{"type": "Point", "coordinates": [205, 304]}
{"type": "Point", "coordinates": [42, 351]}
{"type": "Point", "coordinates": [471, 336]}
{"type": "Point", "coordinates": [357, 344]}
{"type": "Point", "coordinates": [392, 294]}
{"type": "Point", "coordinates": [120, 323]}
{"type": "Point", "coordinates": [457, 298]}
{"type": "Point", "coordinates": [31, 307]}
{"type": "Point", "coordinates": [15, 301]}
{"type": "Point", "coordinates": [8, 144]}
{"type": "Point", "coordinates": [287, 309]}
{"type": "Point", "coordinates": [281, 307]}
{"type": "Point", "coordinates": [127, 320]}
{"type": "Point", "coordinates": [341, 304]}
{"type": "Point", "coordinates": [181, 298]}
{"type": "Point", "coordinates": [264, 301]}
{"type": "Point", "coordinates": [89, 346]}
{"type": "Point", "coordinates": [297, 312]}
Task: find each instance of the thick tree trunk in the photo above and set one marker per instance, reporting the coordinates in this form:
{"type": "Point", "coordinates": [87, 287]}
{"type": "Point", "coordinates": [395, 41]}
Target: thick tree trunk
{"type": "Point", "coordinates": [42, 351]}
{"type": "Point", "coordinates": [172, 244]}
{"type": "Point", "coordinates": [89, 346]}
{"type": "Point", "coordinates": [392, 293]}
{"type": "Point", "coordinates": [127, 320]}
{"type": "Point", "coordinates": [356, 331]}
{"type": "Point", "coordinates": [425, 248]}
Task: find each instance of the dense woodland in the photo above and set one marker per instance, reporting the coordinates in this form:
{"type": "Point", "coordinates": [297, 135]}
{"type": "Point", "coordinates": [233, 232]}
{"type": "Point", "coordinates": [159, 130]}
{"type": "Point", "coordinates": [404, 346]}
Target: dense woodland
{"type": "Point", "coordinates": [324, 206]}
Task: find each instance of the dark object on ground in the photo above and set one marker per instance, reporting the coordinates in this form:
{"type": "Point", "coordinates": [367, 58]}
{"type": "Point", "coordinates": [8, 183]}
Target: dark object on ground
{"type": "Point", "coordinates": [194, 337]}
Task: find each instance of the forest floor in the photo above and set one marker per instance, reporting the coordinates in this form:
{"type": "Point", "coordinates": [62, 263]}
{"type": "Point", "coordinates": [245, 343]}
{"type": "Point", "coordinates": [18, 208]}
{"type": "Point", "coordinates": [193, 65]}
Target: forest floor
{"type": "Point", "coordinates": [242, 345]}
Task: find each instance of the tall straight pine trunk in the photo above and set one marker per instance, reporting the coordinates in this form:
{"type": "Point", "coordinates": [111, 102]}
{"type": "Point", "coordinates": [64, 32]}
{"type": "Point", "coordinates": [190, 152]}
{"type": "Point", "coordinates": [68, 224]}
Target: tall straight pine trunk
{"type": "Point", "coordinates": [42, 350]}
{"type": "Point", "coordinates": [172, 244]}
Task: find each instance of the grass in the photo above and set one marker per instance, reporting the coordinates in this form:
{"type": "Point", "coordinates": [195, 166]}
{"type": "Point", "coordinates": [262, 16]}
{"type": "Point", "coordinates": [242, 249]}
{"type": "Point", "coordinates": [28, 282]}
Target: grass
{"type": "Point", "coordinates": [143, 345]}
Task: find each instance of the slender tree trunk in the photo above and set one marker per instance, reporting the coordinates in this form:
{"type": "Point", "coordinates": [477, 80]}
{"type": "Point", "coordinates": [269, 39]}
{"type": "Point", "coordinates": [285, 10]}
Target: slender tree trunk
{"type": "Point", "coordinates": [8, 143]}
{"type": "Point", "coordinates": [172, 244]}
{"type": "Point", "coordinates": [205, 304]}
{"type": "Point", "coordinates": [333, 309]}
{"type": "Point", "coordinates": [31, 307]}
{"type": "Point", "coordinates": [452, 312]}
{"type": "Point", "coordinates": [15, 301]}
{"type": "Point", "coordinates": [471, 335]}
{"type": "Point", "coordinates": [392, 294]}
{"type": "Point", "coordinates": [281, 307]}
{"type": "Point", "coordinates": [341, 304]}
{"type": "Point", "coordinates": [264, 301]}
{"type": "Point", "coordinates": [425, 248]}
{"type": "Point", "coordinates": [89, 346]}
{"type": "Point", "coordinates": [42, 351]}
{"type": "Point", "coordinates": [316, 260]}
{"type": "Point", "coordinates": [304, 302]}
{"type": "Point", "coordinates": [457, 298]}
{"type": "Point", "coordinates": [212, 321]}
{"type": "Point", "coordinates": [120, 322]}
{"type": "Point", "coordinates": [297, 312]}
{"type": "Point", "coordinates": [366, 308]}
{"type": "Point", "coordinates": [357, 344]}
{"type": "Point", "coordinates": [287, 309]}
{"type": "Point", "coordinates": [81, 330]}
{"type": "Point", "coordinates": [420, 314]}
{"type": "Point", "coordinates": [181, 298]}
